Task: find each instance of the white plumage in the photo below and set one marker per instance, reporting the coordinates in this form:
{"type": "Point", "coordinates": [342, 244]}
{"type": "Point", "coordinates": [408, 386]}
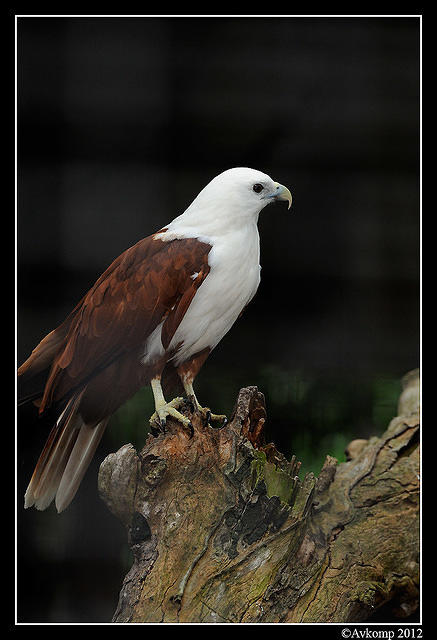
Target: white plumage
{"type": "Point", "coordinates": [164, 304]}
{"type": "Point", "coordinates": [224, 215]}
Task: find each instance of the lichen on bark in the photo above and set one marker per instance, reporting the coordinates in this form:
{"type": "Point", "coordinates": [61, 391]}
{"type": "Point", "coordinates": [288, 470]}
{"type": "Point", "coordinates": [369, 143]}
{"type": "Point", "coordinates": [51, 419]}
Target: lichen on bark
{"type": "Point", "coordinates": [222, 529]}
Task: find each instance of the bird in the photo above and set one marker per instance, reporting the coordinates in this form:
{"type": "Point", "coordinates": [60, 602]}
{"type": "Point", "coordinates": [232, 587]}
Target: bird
{"type": "Point", "coordinates": [159, 309]}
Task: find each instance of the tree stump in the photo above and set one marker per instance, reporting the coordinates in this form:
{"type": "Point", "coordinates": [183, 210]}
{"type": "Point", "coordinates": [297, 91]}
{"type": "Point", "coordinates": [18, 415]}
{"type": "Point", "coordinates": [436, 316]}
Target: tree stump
{"type": "Point", "coordinates": [223, 530]}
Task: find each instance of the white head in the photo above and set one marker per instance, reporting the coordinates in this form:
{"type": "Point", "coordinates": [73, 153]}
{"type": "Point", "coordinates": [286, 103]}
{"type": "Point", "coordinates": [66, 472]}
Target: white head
{"type": "Point", "coordinates": [233, 198]}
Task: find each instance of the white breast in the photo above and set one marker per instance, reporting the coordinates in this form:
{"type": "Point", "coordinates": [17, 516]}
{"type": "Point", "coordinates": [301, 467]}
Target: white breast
{"type": "Point", "coordinates": [231, 283]}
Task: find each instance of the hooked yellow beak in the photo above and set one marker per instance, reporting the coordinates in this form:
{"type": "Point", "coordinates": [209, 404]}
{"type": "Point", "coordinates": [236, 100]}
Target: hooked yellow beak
{"type": "Point", "coordinates": [282, 193]}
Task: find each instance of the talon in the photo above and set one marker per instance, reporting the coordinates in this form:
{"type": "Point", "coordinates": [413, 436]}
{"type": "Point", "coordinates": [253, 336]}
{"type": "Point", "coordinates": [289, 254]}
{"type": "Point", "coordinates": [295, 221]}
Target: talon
{"type": "Point", "coordinates": [224, 423]}
{"type": "Point", "coordinates": [212, 417]}
{"type": "Point", "coordinates": [169, 409]}
{"type": "Point", "coordinates": [218, 418]}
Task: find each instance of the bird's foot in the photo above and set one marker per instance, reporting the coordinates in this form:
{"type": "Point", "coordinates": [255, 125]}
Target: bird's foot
{"type": "Point", "coordinates": [208, 416]}
{"type": "Point", "coordinates": [159, 419]}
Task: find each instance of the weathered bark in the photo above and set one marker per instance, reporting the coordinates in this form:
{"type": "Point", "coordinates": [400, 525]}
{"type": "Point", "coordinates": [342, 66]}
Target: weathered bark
{"type": "Point", "coordinates": [222, 529]}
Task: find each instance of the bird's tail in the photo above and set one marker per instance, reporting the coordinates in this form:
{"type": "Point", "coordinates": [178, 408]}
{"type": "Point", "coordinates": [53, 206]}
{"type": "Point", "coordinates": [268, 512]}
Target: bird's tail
{"type": "Point", "coordinates": [64, 460]}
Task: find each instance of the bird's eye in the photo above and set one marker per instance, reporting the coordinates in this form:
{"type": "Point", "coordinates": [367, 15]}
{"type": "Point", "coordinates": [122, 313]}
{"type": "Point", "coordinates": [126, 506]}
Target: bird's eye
{"type": "Point", "coordinates": [257, 188]}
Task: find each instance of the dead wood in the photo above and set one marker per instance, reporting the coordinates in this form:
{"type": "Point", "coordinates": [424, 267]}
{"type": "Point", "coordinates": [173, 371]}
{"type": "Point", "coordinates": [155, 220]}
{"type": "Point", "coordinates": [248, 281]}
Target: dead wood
{"type": "Point", "coordinates": [223, 530]}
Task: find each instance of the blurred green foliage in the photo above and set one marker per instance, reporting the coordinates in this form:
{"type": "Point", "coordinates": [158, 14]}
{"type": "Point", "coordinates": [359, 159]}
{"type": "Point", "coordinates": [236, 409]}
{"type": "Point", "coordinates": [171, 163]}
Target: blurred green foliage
{"type": "Point", "coordinates": [316, 414]}
{"type": "Point", "coordinates": [131, 422]}
{"type": "Point", "coordinates": [309, 414]}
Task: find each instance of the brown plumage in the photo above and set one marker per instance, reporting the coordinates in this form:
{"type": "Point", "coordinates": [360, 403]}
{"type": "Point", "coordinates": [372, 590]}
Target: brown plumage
{"type": "Point", "coordinates": [157, 311]}
{"type": "Point", "coordinates": [92, 361]}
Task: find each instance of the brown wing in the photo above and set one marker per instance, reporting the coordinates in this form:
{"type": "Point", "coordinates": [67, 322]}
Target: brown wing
{"type": "Point", "coordinates": [148, 283]}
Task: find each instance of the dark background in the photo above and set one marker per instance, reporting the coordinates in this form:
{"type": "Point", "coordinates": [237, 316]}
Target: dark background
{"type": "Point", "coordinates": [121, 122]}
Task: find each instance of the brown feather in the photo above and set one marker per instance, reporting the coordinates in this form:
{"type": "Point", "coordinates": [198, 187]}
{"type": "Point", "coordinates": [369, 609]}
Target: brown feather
{"type": "Point", "coordinates": [48, 471]}
{"type": "Point", "coordinates": [189, 369]}
{"type": "Point", "coordinates": [149, 282]}
{"type": "Point", "coordinates": [79, 458]}
{"type": "Point", "coordinates": [94, 358]}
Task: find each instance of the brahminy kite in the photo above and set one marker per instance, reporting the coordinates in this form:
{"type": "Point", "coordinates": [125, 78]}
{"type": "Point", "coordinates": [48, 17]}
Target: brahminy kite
{"type": "Point", "coordinates": [162, 305]}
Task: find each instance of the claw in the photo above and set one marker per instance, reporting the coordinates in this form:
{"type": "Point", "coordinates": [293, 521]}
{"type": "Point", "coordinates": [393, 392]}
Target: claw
{"type": "Point", "coordinates": [217, 418]}
{"type": "Point", "coordinates": [169, 409]}
{"type": "Point", "coordinates": [190, 425]}
{"type": "Point", "coordinates": [154, 431]}
{"type": "Point", "coordinates": [224, 423]}
{"type": "Point", "coordinates": [209, 417]}
{"type": "Point", "coordinates": [205, 412]}
{"type": "Point", "coordinates": [157, 426]}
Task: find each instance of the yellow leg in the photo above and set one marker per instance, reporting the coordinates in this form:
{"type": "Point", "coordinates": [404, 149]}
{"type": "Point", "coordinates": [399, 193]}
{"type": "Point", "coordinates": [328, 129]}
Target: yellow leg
{"type": "Point", "coordinates": [164, 409]}
{"type": "Point", "coordinates": [205, 411]}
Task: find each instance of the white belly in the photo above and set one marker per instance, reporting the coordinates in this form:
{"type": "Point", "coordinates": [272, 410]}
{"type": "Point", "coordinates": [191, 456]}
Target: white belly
{"type": "Point", "coordinates": [231, 283]}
